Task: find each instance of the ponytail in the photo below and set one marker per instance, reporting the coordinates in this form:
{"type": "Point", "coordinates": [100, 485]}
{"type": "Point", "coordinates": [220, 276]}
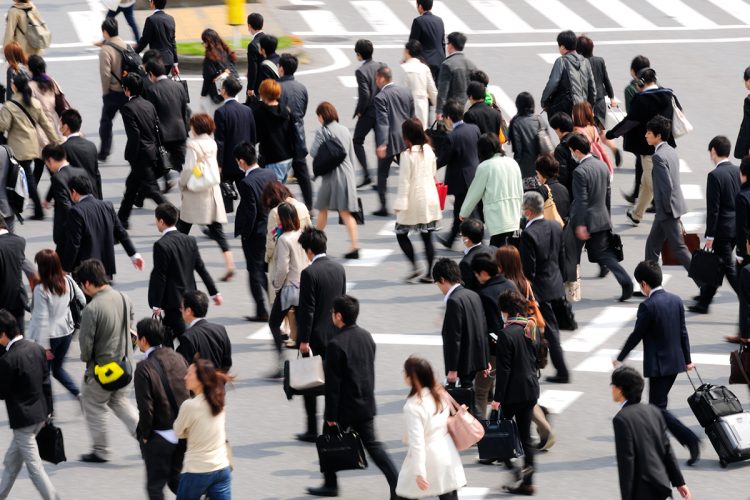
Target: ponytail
{"type": "Point", "coordinates": [21, 81]}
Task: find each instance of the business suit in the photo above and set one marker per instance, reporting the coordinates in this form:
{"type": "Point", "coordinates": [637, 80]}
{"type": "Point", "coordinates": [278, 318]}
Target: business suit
{"type": "Point", "coordinates": [171, 103]}
{"type": "Point", "coordinates": [5, 211]}
{"type": "Point", "coordinates": [294, 96]}
{"type": "Point", "coordinates": [646, 464]}
{"type": "Point", "coordinates": [464, 332]}
{"type": "Point", "coordinates": [159, 34]}
{"type": "Point", "coordinates": [176, 258]}
{"type": "Point", "coordinates": [364, 112]}
{"type": "Point", "coordinates": [487, 118]}
{"type": "Point", "coordinates": [210, 340]}
{"type": "Point", "coordinates": [467, 275]}
{"type": "Point", "coordinates": [82, 153]}
{"type": "Point", "coordinates": [254, 59]}
{"type": "Point", "coordinates": [234, 125]}
{"type": "Point", "coordinates": [394, 105]}
{"type": "Point", "coordinates": [660, 324]}
{"type": "Point", "coordinates": [453, 79]}
{"type": "Point", "coordinates": [742, 224]}
{"type": "Point", "coordinates": [429, 30]}
{"type": "Point", "coordinates": [13, 296]}
{"type": "Point", "coordinates": [61, 194]}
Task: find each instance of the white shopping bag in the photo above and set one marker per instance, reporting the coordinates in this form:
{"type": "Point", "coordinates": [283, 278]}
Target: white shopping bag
{"type": "Point", "coordinates": [306, 373]}
{"type": "Point", "coordinates": [614, 116]}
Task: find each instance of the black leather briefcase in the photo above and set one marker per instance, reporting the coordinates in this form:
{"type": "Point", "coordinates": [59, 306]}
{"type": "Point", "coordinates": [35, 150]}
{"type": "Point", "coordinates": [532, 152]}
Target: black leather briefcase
{"type": "Point", "coordinates": [340, 450]}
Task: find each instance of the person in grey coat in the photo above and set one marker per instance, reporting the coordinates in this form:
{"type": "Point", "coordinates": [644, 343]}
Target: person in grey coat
{"type": "Point", "coordinates": [523, 130]}
{"type": "Point", "coordinates": [453, 78]}
{"type": "Point", "coordinates": [560, 94]}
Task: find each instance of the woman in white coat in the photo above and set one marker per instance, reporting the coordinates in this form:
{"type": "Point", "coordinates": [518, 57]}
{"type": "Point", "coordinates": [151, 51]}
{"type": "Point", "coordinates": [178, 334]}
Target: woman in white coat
{"type": "Point", "coordinates": [419, 80]}
{"type": "Point", "coordinates": [205, 206]}
{"type": "Point", "coordinates": [432, 467]}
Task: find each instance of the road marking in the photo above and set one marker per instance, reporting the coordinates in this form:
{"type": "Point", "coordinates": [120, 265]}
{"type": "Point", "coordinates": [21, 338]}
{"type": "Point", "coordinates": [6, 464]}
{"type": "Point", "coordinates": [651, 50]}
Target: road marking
{"type": "Point", "coordinates": [598, 331]}
{"type": "Point", "coordinates": [550, 57]}
{"type": "Point", "coordinates": [623, 15]}
{"type": "Point", "coordinates": [684, 168]}
{"type": "Point", "coordinates": [87, 25]}
{"type": "Point", "coordinates": [349, 81]}
{"type": "Point", "coordinates": [601, 360]}
{"type": "Point", "coordinates": [735, 8]}
{"type": "Point", "coordinates": [380, 17]}
{"type": "Point", "coordinates": [682, 13]}
{"type": "Point", "coordinates": [379, 338]}
{"type": "Point", "coordinates": [323, 22]}
{"type": "Point", "coordinates": [388, 229]}
{"type": "Point", "coordinates": [340, 61]}
{"type": "Point", "coordinates": [557, 401]}
{"type": "Point", "coordinates": [472, 493]}
{"type": "Point", "coordinates": [560, 14]}
{"type": "Point", "coordinates": [451, 21]}
{"type": "Point", "coordinates": [369, 257]}
{"type": "Point", "coordinates": [501, 16]}
{"type": "Point", "coordinates": [692, 191]}
{"type": "Point", "coordinates": [306, 2]}
{"type": "Point", "coordinates": [507, 104]}
{"type": "Point", "coordinates": [694, 222]}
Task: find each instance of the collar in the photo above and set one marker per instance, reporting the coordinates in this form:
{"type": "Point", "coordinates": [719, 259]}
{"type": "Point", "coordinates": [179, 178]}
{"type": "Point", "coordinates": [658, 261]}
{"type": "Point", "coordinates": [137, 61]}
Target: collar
{"type": "Point", "coordinates": [450, 291]}
{"type": "Point", "coordinates": [650, 87]}
{"type": "Point", "coordinates": [227, 100]}
{"type": "Point", "coordinates": [256, 34]}
{"type": "Point", "coordinates": [723, 160]}
{"type": "Point", "coordinates": [63, 166]}
{"type": "Point", "coordinates": [655, 290]}
{"type": "Point", "coordinates": [365, 61]}
{"type": "Point", "coordinates": [659, 145]}
{"type": "Point", "coordinates": [317, 257]}
{"type": "Point", "coordinates": [622, 405]}
{"type": "Point", "coordinates": [168, 230]}
{"type": "Point", "coordinates": [160, 78]}
{"type": "Point", "coordinates": [534, 220]}
{"type": "Point", "coordinates": [192, 323]}
{"type": "Point", "coordinates": [157, 10]}
{"type": "Point", "coordinates": [150, 350]}
{"type": "Point", "coordinates": [387, 85]}
{"type": "Point", "coordinates": [467, 250]}
{"type": "Point", "coordinates": [84, 197]}
{"type": "Point", "coordinates": [15, 339]}
{"type": "Point", "coordinates": [585, 157]}
{"type": "Point", "coordinates": [457, 124]}
{"type": "Point", "coordinates": [74, 134]}
{"type": "Point", "coordinates": [286, 78]}
{"type": "Point", "coordinates": [3, 231]}
{"type": "Point", "coordinates": [254, 167]}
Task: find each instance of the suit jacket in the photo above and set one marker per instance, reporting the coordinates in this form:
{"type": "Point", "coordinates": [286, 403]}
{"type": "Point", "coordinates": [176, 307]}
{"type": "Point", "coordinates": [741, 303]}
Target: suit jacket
{"type": "Point", "coordinates": [589, 208]}
{"type": "Point", "coordinates": [82, 153]}
{"type": "Point", "coordinates": [467, 275]}
{"type": "Point", "coordinates": [171, 103]}
{"type": "Point", "coordinates": [140, 120]}
{"type": "Point", "coordinates": [394, 105]}
{"type": "Point", "coordinates": [155, 411]}
{"type": "Point", "coordinates": [350, 376]}
{"type": "Point", "coordinates": [661, 325]}
{"type": "Point", "coordinates": [25, 384]}
{"type": "Point", "coordinates": [490, 292]}
{"type": "Point", "coordinates": [159, 34]}
{"type": "Point", "coordinates": [461, 157]}
{"type": "Point", "coordinates": [465, 346]}
{"type": "Point", "coordinates": [234, 125]}
{"type": "Point", "coordinates": [542, 259]}
{"type": "Point", "coordinates": [92, 229]}
{"type": "Point", "coordinates": [742, 219]}
{"type": "Point", "coordinates": [428, 29]}
{"type": "Point", "coordinates": [5, 210]}
{"type": "Point", "coordinates": [668, 200]}
{"type": "Point", "coordinates": [643, 107]}
{"type": "Point", "coordinates": [645, 461]}
{"type": "Point", "coordinates": [367, 89]}
{"type": "Point", "coordinates": [294, 97]}
{"type": "Point", "coordinates": [210, 340]}
{"type": "Point", "coordinates": [176, 258]}
{"type": "Point", "coordinates": [567, 163]}
{"type": "Point", "coordinates": [742, 146]}
{"type": "Point", "coordinates": [60, 192]}
{"type": "Point", "coordinates": [254, 59]}
{"type": "Point", "coordinates": [721, 190]}
{"type": "Point", "coordinates": [12, 292]}
{"type": "Point", "coordinates": [453, 79]}
{"type": "Point", "coordinates": [265, 72]}
{"type": "Point", "coordinates": [485, 117]}
{"type": "Point", "coordinates": [320, 282]}
{"type": "Point", "coordinates": [516, 367]}
{"type": "Point", "coordinates": [251, 215]}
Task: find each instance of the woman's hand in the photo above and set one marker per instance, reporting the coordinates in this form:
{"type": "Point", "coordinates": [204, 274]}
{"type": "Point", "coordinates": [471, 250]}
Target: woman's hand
{"type": "Point", "coordinates": [422, 483]}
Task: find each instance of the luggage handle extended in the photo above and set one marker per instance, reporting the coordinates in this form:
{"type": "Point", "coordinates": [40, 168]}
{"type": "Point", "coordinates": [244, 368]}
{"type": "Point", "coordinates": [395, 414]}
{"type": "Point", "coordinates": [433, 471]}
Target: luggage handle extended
{"type": "Point", "coordinates": [687, 372]}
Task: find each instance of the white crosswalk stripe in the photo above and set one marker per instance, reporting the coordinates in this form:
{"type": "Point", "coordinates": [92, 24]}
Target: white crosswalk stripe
{"type": "Point", "coordinates": [500, 15]}
{"type": "Point", "coordinates": [735, 8]}
{"type": "Point", "coordinates": [682, 13]}
{"type": "Point", "coordinates": [601, 360]}
{"type": "Point", "coordinates": [380, 16]}
{"type": "Point", "coordinates": [560, 14]}
{"type": "Point", "coordinates": [622, 14]}
{"type": "Point", "coordinates": [350, 81]}
{"type": "Point", "coordinates": [451, 21]}
{"type": "Point", "coordinates": [323, 22]}
{"type": "Point", "coordinates": [692, 191]}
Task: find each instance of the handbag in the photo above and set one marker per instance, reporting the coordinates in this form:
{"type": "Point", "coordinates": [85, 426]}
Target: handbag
{"type": "Point", "coordinates": [229, 195]}
{"type": "Point", "coordinates": [202, 177]}
{"type": "Point", "coordinates": [359, 215]}
{"type": "Point", "coordinates": [501, 440]}
{"type": "Point", "coordinates": [438, 134]}
{"type": "Point", "coordinates": [289, 296]}
{"type": "Point", "coordinates": [331, 154]}
{"type": "Point", "coordinates": [163, 161]}
{"type": "Point", "coordinates": [615, 245]}
{"type": "Point", "coordinates": [543, 140]}
{"type": "Point", "coordinates": [464, 396]}
{"type": "Point", "coordinates": [306, 372]}
{"type": "Point", "coordinates": [465, 430]}
{"type": "Point", "coordinates": [290, 392]}
{"type": "Point", "coordinates": [550, 209]}
{"type": "Point", "coordinates": [614, 116]}
{"type": "Point", "coordinates": [573, 288]}
{"type": "Point", "coordinates": [680, 123]}
{"type": "Point", "coordinates": [116, 374]}
{"type": "Point", "coordinates": [51, 445]}
{"type": "Point", "coordinates": [184, 84]}
{"type": "Point", "coordinates": [566, 318]}
{"type": "Point", "coordinates": [61, 103]}
{"type": "Point", "coordinates": [340, 450]}
{"type": "Point", "coordinates": [534, 312]}
{"type": "Point", "coordinates": [739, 366]}
{"type": "Point", "coordinates": [76, 307]}
{"type": "Point", "coordinates": [442, 190]}
{"type": "Point", "coordinates": [706, 268]}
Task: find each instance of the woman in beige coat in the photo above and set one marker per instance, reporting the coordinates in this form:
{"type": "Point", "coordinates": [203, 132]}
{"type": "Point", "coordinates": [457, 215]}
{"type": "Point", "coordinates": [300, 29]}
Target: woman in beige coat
{"type": "Point", "coordinates": [44, 89]}
{"type": "Point", "coordinates": [204, 207]}
{"type": "Point", "coordinates": [17, 24]}
{"type": "Point", "coordinates": [417, 205]}
{"type": "Point", "coordinates": [419, 80]}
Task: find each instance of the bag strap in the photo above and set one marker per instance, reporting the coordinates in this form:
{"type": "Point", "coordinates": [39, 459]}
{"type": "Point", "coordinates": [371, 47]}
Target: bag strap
{"type": "Point", "coordinates": [28, 115]}
{"type": "Point", "coordinates": [167, 388]}
{"type": "Point", "coordinates": [124, 324]}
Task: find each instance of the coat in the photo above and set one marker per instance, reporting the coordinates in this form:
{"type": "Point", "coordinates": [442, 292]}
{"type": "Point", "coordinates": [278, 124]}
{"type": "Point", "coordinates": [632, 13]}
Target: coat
{"type": "Point", "coordinates": [590, 181]}
{"type": "Point", "coordinates": [497, 184]}
{"type": "Point", "coordinates": [542, 259]}
{"type": "Point", "coordinates": [110, 65]}
{"type": "Point", "coordinates": [208, 339]}
{"type": "Point", "coordinates": [12, 291]}
{"type": "Point", "coordinates": [234, 124]}
{"type": "Point", "coordinates": [82, 153]}
{"type": "Point", "coordinates": [722, 187]}
{"type": "Point", "coordinates": [140, 121]}
{"type": "Point", "coordinates": [460, 158]}
{"type": "Point", "coordinates": [22, 134]}
{"type": "Point", "coordinates": [25, 384]}
{"type": "Point", "coordinates": [423, 90]}
{"type": "Point", "coordinates": [393, 106]}
{"type": "Point", "coordinates": [338, 188]}
{"type": "Point", "coordinates": [453, 79]}
{"type": "Point", "coordinates": [465, 347]}
{"type": "Point", "coordinates": [522, 131]}
{"type": "Point", "coordinates": [320, 282]}
{"type": "Point", "coordinates": [516, 376]}
{"type": "Point", "coordinates": [488, 119]}
{"type": "Point", "coordinates": [202, 207]}
{"type": "Point", "coordinates": [289, 259]}
{"type": "Point", "coordinates": [47, 100]}
{"type": "Point", "coordinates": [431, 452]}
{"type": "Point", "coordinates": [171, 103]}
{"type": "Point", "coordinates": [468, 278]}
{"type": "Point", "coordinates": [417, 199]}
{"type": "Point", "coordinates": [742, 146]}
{"type": "Point", "coordinates": [16, 25]}
{"type": "Point", "coordinates": [669, 202]}
{"type": "Point", "coordinates": [366, 87]}
{"type": "Point", "coordinates": [303, 214]}
{"type": "Point", "coordinates": [429, 30]}
{"type": "Point", "coordinates": [644, 106]}
{"type": "Point", "coordinates": [61, 194]}
{"type": "Point", "coordinates": [159, 34]}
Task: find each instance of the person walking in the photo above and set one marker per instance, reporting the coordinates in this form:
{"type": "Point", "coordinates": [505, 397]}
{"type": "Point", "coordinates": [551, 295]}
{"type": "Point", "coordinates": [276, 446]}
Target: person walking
{"type": "Point", "coordinates": [17, 62]}
{"type": "Point", "coordinates": [419, 80]}
{"type": "Point", "coordinates": [276, 130]}
{"type": "Point", "coordinates": [254, 58]}
{"type": "Point", "coordinates": [742, 144]}
{"type": "Point", "coordinates": [636, 65]}
{"type": "Point", "coordinates": [7, 213]}
{"type": "Point", "coordinates": [110, 74]}
{"type": "Point", "coordinates": [234, 125]}
{"type": "Point", "coordinates": [571, 80]}
{"type": "Point", "coordinates": [13, 297]}
{"type": "Point", "coordinates": [489, 119]}
{"type": "Point", "coordinates": [61, 173]}
{"type": "Point", "coordinates": [80, 151]}
{"type": "Point", "coordinates": [472, 234]}
{"type": "Point", "coordinates": [523, 131]}
{"type": "Point", "coordinates": [218, 65]}
{"type": "Point", "coordinates": [453, 78]}
{"type": "Point", "coordinates": [46, 90]}
{"type": "Point", "coordinates": [432, 466]}
{"type": "Point", "coordinates": [584, 122]}
{"type": "Point", "coordinates": [269, 67]}
{"type": "Point", "coordinates": [159, 34]}
{"type": "Point", "coordinates": [364, 111]}
{"type": "Point", "coordinates": [126, 7]}
{"type": "Point", "coordinates": [547, 171]}
{"type": "Point", "coordinates": [742, 232]}
{"type": "Point", "coordinates": [209, 340]}
{"type": "Point", "coordinates": [428, 30]}
{"type": "Point", "coordinates": [417, 205]}
{"type": "Point", "coordinates": [562, 124]}
{"type": "Point", "coordinates": [17, 20]}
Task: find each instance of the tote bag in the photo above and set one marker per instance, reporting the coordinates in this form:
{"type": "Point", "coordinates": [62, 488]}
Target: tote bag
{"type": "Point", "coordinates": [306, 372]}
{"type": "Point", "coordinates": [202, 177]}
{"type": "Point", "coordinates": [465, 430]}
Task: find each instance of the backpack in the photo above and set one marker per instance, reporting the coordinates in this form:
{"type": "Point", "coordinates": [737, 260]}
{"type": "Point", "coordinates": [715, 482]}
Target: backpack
{"type": "Point", "coordinates": [131, 62]}
{"type": "Point", "coordinates": [536, 340]}
{"type": "Point", "coordinates": [16, 186]}
{"type": "Point", "coordinates": [37, 34]}
{"type": "Point", "coordinates": [572, 89]}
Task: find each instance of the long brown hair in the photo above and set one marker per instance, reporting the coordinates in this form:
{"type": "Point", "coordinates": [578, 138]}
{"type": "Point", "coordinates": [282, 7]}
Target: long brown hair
{"type": "Point", "coordinates": [420, 372]}
{"type": "Point", "coordinates": [15, 55]}
{"type": "Point", "coordinates": [213, 382]}
{"type": "Point", "coordinates": [508, 260]}
{"type": "Point", "coordinates": [50, 271]}
{"type": "Point", "coordinates": [583, 115]}
{"type": "Point", "coordinates": [216, 48]}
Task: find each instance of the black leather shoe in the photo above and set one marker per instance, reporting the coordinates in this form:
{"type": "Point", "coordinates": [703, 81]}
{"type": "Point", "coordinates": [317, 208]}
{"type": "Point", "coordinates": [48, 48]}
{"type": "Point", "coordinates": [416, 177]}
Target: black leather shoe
{"type": "Point", "coordinates": [618, 158]}
{"type": "Point", "coordinates": [354, 254]}
{"type": "Point", "coordinates": [366, 182]}
{"type": "Point", "coordinates": [633, 220]}
{"type": "Point", "coordinates": [698, 308]}
{"type": "Point", "coordinates": [383, 212]}
{"type": "Point", "coordinates": [92, 458]}
{"type": "Point", "coordinates": [557, 379]}
{"type": "Point", "coordinates": [695, 452]}
{"type": "Point", "coordinates": [323, 491]}
{"type": "Point", "coordinates": [630, 198]}
{"type": "Point", "coordinates": [444, 241]}
{"type": "Point", "coordinates": [102, 158]}
{"type": "Point", "coordinates": [651, 210]}
{"type": "Point", "coordinates": [638, 293]}
{"type": "Point", "coordinates": [260, 318]}
{"type": "Point", "coordinates": [307, 437]}
{"type": "Point", "coordinates": [627, 292]}
{"type": "Point", "coordinates": [524, 489]}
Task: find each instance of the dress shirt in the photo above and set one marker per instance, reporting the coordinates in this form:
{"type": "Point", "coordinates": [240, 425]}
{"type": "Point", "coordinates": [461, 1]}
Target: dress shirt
{"type": "Point", "coordinates": [194, 322]}
{"type": "Point", "coordinates": [3, 231]}
{"type": "Point", "coordinates": [534, 220]}
{"type": "Point", "coordinates": [15, 339]}
{"type": "Point", "coordinates": [467, 250]}
{"type": "Point", "coordinates": [168, 230]}
{"type": "Point", "coordinates": [450, 291]}
{"type": "Point", "coordinates": [655, 289]}
{"type": "Point", "coordinates": [317, 257]}
{"type": "Point", "coordinates": [252, 167]}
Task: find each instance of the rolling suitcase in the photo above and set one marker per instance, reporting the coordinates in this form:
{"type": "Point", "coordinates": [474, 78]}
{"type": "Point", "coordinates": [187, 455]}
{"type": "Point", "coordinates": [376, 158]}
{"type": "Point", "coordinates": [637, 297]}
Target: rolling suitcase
{"type": "Point", "coordinates": [709, 402]}
{"type": "Point", "coordinates": [730, 436]}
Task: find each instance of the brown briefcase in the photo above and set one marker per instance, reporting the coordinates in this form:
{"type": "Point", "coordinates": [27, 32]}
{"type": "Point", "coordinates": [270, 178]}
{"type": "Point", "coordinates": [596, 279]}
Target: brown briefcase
{"type": "Point", "coordinates": [668, 258]}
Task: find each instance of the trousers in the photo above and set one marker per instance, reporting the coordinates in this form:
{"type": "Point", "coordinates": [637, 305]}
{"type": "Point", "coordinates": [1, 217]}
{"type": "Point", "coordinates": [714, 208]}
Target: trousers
{"type": "Point", "coordinates": [59, 347]}
{"type": "Point", "coordinates": [384, 169]}
{"type": "Point", "coordinates": [646, 191]}
{"type": "Point", "coordinates": [97, 402]}
{"type": "Point", "coordinates": [671, 231]}
{"type": "Point", "coordinates": [658, 395]}
{"type": "Point", "coordinates": [112, 102]}
{"type": "Point", "coordinates": [484, 390]}
{"type": "Point", "coordinates": [598, 248]}
{"type": "Point", "coordinates": [552, 334]}
{"type": "Point", "coordinates": [215, 232]}
{"type": "Point", "coordinates": [163, 465]}
{"type": "Point", "coordinates": [364, 125]}
{"type": "Point", "coordinates": [254, 248]}
{"type": "Point", "coordinates": [23, 450]}
{"type": "Point", "coordinates": [141, 178]}
{"type": "Point", "coordinates": [723, 248]}
{"type": "Point", "coordinates": [129, 18]}
{"type": "Point", "coordinates": [216, 485]}
{"type": "Point", "coordinates": [744, 293]}
{"type": "Point", "coordinates": [523, 413]}
{"type": "Point", "coordinates": [33, 191]}
{"type": "Point", "coordinates": [172, 321]}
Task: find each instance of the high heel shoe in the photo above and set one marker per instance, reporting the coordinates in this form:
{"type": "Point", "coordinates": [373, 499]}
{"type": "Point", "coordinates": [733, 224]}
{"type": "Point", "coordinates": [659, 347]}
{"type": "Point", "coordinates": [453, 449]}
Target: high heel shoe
{"type": "Point", "coordinates": [228, 276]}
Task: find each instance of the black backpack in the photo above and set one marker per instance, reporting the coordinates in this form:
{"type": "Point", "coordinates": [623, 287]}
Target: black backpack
{"type": "Point", "coordinates": [16, 186]}
{"type": "Point", "coordinates": [131, 62]}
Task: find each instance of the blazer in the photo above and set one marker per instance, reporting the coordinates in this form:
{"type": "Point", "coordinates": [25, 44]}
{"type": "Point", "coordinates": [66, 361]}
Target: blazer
{"type": "Point", "coordinates": [542, 258]}
{"type": "Point", "coordinates": [350, 376]}
{"type": "Point", "coordinates": [465, 346]}
{"type": "Point", "coordinates": [644, 106]}
{"type": "Point", "coordinates": [294, 98]}
{"type": "Point", "coordinates": [661, 325]}
{"type": "Point", "coordinates": [722, 187]}
{"type": "Point", "coordinates": [140, 120]}
{"type": "Point", "coordinates": [82, 153]}
{"type": "Point", "coordinates": [61, 194]}
{"type": "Point", "coordinates": [428, 29]}
{"type": "Point", "coordinates": [234, 125]}
{"type": "Point", "coordinates": [668, 200]}
{"type": "Point", "coordinates": [210, 340]}
{"type": "Point", "coordinates": [176, 258]}
{"type": "Point", "coordinates": [742, 219]}
{"type": "Point", "coordinates": [25, 384]}
{"type": "Point", "coordinates": [268, 72]}
{"type": "Point", "coordinates": [460, 157]}
{"type": "Point", "coordinates": [171, 103]}
{"type": "Point", "coordinates": [522, 132]}
{"type": "Point", "coordinates": [367, 89]}
{"type": "Point", "coordinates": [485, 117]}
{"type": "Point", "coordinates": [490, 292]}
{"type": "Point", "coordinates": [320, 282]}
{"type": "Point", "coordinates": [589, 208]}
{"type": "Point", "coordinates": [12, 292]}
{"type": "Point", "coordinates": [417, 199]}
{"type": "Point", "coordinates": [92, 229]}
{"type": "Point", "coordinates": [393, 106]}
{"type": "Point", "coordinates": [418, 78]}
{"type": "Point", "coordinates": [50, 313]}
{"type": "Point", "coordinates": [254, 59]}
{"type": "Point", "coordinates": [453, 79]}
{"type": "Point", "coordinates": [516, 368]}
{"type": "Point", "coordinates": [159, 34]}
{"type": "Point", "coordinates": [742, 146]}
{"type": "Point", "coordinates": [155, 411]}
{"type": "Point", "coordinates": [5, 210]}
{"type": "Point", "coordinates": [567, 163]}
{"type": "Point", "coordinates": [467, 275]}
{"type": "Point", "coordinates": [646, 463]}
{"type": "Point", "coordinates": [251, 215]}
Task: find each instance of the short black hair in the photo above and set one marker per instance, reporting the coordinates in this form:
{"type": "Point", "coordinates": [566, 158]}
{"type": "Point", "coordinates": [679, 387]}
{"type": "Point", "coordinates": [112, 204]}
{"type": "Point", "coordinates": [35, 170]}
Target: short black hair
{"type": "Point", "coordinates": [630, 383]}
{"type": "Point", "coordinates": [160, 4]}
{"type": "Point", "coordinates": [348, 307]}
{"type": "Point", "coordinates": [744, 167]}
{"type": "Point", "coordinates": [457, 39]}
{"type": "Point", "coordinates": [453, 109]}
{"type": "Point", "coordinates": [232, 85]}
{"type": "Point", "coordinates": [313, 239]}
{"type": "Point", "coordinates": [513, 303]}
{"type": "Point", "coordinates": [155, 67]}
{"type": "Point", "coordinates": [92, 271]}
{"type": "Point", "coordinates": [245, 151]}
{"type": "Point", "coordinates": [54, 151]}
{"type": "Point", "coordinates": [110, 26]}
{"type": "Point", "coordinates": [472, 229]}
{"type": "Point", "coordinates": [638, 63]}
{"type": "Point", "coordinates": [385, 72]}
{"type": "Point", "coordinates": [426, 4]}
{"type": "Point", "coordinates": [561, 121]}
{"type": "Point", "coordinates": [81, 184]}
{"type": "Point", "coordinates": [152, 330]}
{"type": "Point", "coordinates": [484, 263]}
{"type": "Point", "coordinates": [8, 324]}
{"type": "Point", "coordinates": [414, 48]}
{"type": "Point", "coordinates": [72, 118]}
{"type": "Point", "coordinates": [269, 43]}
{"type": "Point", "coordinates": [479, 76]}
{"type": "Point", "coordinates": [649, 272]}
{"type": "Point", "coordinates": [567, 39]}
{"type": "Point", "coordinates": [721, 145]}
{"type": "Point", "coordinates": [255, 20]}
{"type": "Point", "coordinates": [196, 301]}
{"type": "Point", "coordinates": [364, 48]}
{"type": "Point", "coordinates": [133, 83]}
{"type": "Point", "coordinates": [661, 126]}
{"type": "Point", "coordinates": [446, 270]}
{"type": "Point", "coordinates": [167, 213]}
{"type": "Point", "coordinates": [579, 142]}
{"type": "Point", "coordinates": [646, 76]}
{"type": "Point", "coordinates": [525, 104]}
{"type": "Point", "coordinates": [476, 90]}
{"type": "Point", "coordinates": [488, 146]}
{"type": "Point", "coordinates": [152, 55]}
{"type": "Point", "coordinates": [548, 166]}
{"type": "Point", "coordinates": [289, 62]}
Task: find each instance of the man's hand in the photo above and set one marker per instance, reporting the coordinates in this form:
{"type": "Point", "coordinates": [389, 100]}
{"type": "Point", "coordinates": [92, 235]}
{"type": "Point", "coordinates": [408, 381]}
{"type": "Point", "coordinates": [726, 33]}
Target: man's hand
{"type": "Point", "coordinates": [218, 300]}
{"type": "Point", "coordinates": [331, 424]}
{"type": "Point", "coordinates": [304, 347]}
{"type": "Point", "coordinates": [250, 93]}
{"type": "Point", "coordinates": [460, 218]}
{"type": "Point", "coordinates": [614, 102]}
{"type": "Point", "coordinates": [452, 377]}
{"type": "Point", "coordinates": [156, 311]}
{"type": "Point", "coordinates": [139, 263]}
{"type": "Point", "coordinates": [45, 204]}
{"type": "Point", "coordinates": [486, 372]}
{"type": "Point", "coordinates": [381, 151]}
{"type": "Point", "coordinates": [684, 491]}
{"type": "Point", "coordinates": [422, 483]}
{"type": "Point", "coordinates": [175, 69]}
{"type": "Point", "coordinates": [582, 233]}
{"type": "Point", "coordinates": [439, 117]}
{"type": "Point", "coordinates": [495, 405]}
{"type": "Point", "coordinates": [616, 364]}
{"type": "Point", "coordinates": [709, 244]}
{"type": "Point", "coordinates": [690, 366]}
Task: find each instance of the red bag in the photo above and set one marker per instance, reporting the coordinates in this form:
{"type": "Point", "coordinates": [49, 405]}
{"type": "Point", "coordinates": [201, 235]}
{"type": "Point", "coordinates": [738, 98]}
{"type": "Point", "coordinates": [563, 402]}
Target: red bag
{"type": "Point", "coordinates": [442, 190]}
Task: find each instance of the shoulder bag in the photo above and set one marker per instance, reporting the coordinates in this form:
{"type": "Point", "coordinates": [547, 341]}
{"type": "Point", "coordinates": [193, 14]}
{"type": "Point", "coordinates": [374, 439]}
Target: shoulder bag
{"type": "Point", "coordinates": [184, 84]}
{"type": "Point", "coordinates": [75, 305]}
{"type": "Point", "coordinates": [739, 363]}
{"type": "Point", "coordinates": [25, 111]}
{"type": "Point", "coordinates": [680, 123]}
{"type": "Point", "coordinates": [116, 374]}
{"type": "Point", "coordinates": [534, 311]}
{"type": "Point", "coordinates": [202, 176]}
{"type": "Point", "coordinates": [61, 103]}
{"type": "Point", "coordinates": [163, 161]}
{"type": "Point", "coordinates": [550, 209]}
{"type": "Point", "coordinates": [229, 195]}
{"type": "Point", "coordinates": [465, 430]}
{"type": "Point", "coordinates": [543, 139]}
{"type": "Point", "coordinates": [331, 154]}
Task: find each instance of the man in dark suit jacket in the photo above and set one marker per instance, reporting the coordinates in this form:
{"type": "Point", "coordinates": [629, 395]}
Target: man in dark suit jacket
{"type": "Point", "coordinates": [472, 232]}
{"type": "Point", "coordinates": [250, 223]}
{"type": "Point", "coordinates": [234, 125]}
{"type": "Point", "coordinates": [455, 70]}
{"type": "Point", "coordinates": [742, 233]}
{"type": "Point", "coordinates": [13, 296]}
{"type": "Point", "coordinates": [364, 111]}
{"type": "Point", "coordinates": [542, 258]}
{"type": "Point", "coordinates": [487, 118]}
{"type": "Point", "coordinates": [350, 390]}
{"type": "Point", "coordinates": [461, 158]}
{"type": "Point", "coordinates": [255, 27]}
{"type": "Point", "coordinates": [722, 188]}
{"type": "Point", "coordinates": [171, 103]}
{"type": "Point", "coordinates": [6, 213]}
{"type": "Point", "coordinates": [92, 229]}
{"type": "Point", "coordinates": [428, 29]}
{"type": "Point", "coordinates": [25, 387]}
{"type": "Point", "coordinates": [176, 258]}
{"type": "Point", "coordinates": [645, 461]}
{"type": "Point", "coordinates": [159, 34]}
{"type": "Point", "coordinates": [269, 66]}
{"type": "Point", "coordinates": [210, 340]}
{"type": "Point", "coordinates": [158, 407]}
{"type": "Point", "coordinates": [666, 347]}
{"type": "Point", "coordinates": [562, 124]}
{"type": "Point", "coordinates": [79, 151]}
{"type": "Point", "coordinates": [320, 283]}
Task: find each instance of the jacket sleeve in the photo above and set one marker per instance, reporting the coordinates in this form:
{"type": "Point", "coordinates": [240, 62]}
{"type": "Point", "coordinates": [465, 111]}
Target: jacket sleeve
{"type": "Point", "coordinates": [226, 360]}
{"type": "Point", "coordinates": [443, 87]}
{"type": "Point", "coordinates": [684, 339]}
{"type": "Point", "coordinates": [105, 69]}
{"type": "Point", "coordinates": [452, 328]}
{"type": "Point", "coordinates": [10, 27]}
{"type": "Point", "coordinates": [220, 137]}
{"type": "Point", "coordinates": [552, 82]}
{"type": "Point", "coordinates": [415, 427]}
{"type": "Point", "coordinates": [446, 153]}
{"type": "Point", "coordinates": [144, 401]}
{"type": "Point", "coordinates": [414, 34]}
{"type": "Point", "coordinates": [741, 209]}
{"type": "Point", "coordinates": [670, 462]}
{"type": "Point", "coordinates": [662, 182]}
{"type": "Point", "coordinates": [200, 268]}
{"type": "Point", "coordinates": [503, 360]}
{"type": "Point", "coordinates": [6, 119]}
{"type": "Point", "coordinates": [46, 384]}
{"type": "Point", "coordinates": [272, 222]}
{"type": "Point", "coordinates": [74, 233]}
{"type": "Point", "coordinates": [158, 282]}
{"type": "Point", "coordinates": [363, 92]}
{"type": "Point", "coordinates": [607, 84]}
{"type": "Point", "coordinates": [186, 349]}
{"type": "Point", "coordinates": [591, 85]}
{"type": "Point", "coordinates": [305, 309]}
{"type": "Point", "coordinates": [642, 325]}
{"type": "Point", "coordinates": [191, 160]}
{"type": "Point", "coordinates": [404, 182]}
{"type": "Point", "coordinates": [625, 448]}
{"type": "Point", "coordinates": [184, 421]}
{"type": "Point", "coordinates": [317, 141]}
{"type": "Point", "coordinates": [334, 367]}
{"type": "Point", "coordinates": [133, 133]}
{"type": "Point", "coordinates": [41, 119]}
{"type": "Point", "coordinates": [86, 335]}
{"type": "Point", "coordinates": [146, 36]}
{"type": "Point", "coordinates": [476, 191]}
{"type": "Point", "coordinates": [713, 203]}
{"type": "Point", "coordinates": [432, 91]}
{"type": "Point", "coordinates": [39, 326]}
{"type": "Point", "coordinates": [381, 122]}
{"type": "Point", "coordinates": [528, 256]}
{"type": "Point", "coordinates": [580, 200]}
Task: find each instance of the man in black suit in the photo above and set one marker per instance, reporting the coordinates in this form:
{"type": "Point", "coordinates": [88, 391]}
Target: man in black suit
{"type": "Point", "coordinates": [6, 212]}
{"type": "Point", "coordinates": [487, 118]}
{"type": "Point", "coordinates": [722, 188]}
{"type": "Point", "coordinates": [542, 258]}
{"type": "Point", "coordinates": [320, 283]}
{"type": "Point", "coordinates": [364, 112]}
{"type": "Point", "coordinates": [176, 258]}
{"type": "Point", "coordinates": [428, 29]}
{"type": "Point", "coordinates": [92, 229]}
{"type": "Point", "coordinates": [141, 151]}
{"type": "Point", "coordinates": [269, 67]}
{"type": "Point", "coordinates": [159, 34]}
{"type": "Point", "coordinates": [742, 233]}
{"type": "Point", "coordinates": [234, 125]}
{"type": "Point", "coordinates": [350, 390]}
{"type": "Point", "coordinates": [472, 232]}
{"type": "Point", "coordinates": [25, 387]}
{"type": "Point", "coordinates": [250, 223]}
{"type": "Point", "coordinates": [646, 463]}
{"type": "Point", "coordinates": [80, 151]}
{"type": "Point", "coordinates": [159, 391]}
{"type": "Point", "coordinates": [666, 347]}
{"type": "Point", "coordinates": [254, 59]}
{"type": "Point", "coordinates": [210, 340]}
{"type": "Point", "coordinates": [13, 296]}
{"type": "Point", "coordinates": [461, 158]}
{"type": "Point", "coordinates": [562, 124]}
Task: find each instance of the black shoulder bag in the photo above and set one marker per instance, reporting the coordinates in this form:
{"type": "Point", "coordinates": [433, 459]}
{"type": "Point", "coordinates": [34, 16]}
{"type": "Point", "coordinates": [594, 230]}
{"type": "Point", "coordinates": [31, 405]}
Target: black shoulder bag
{"type": "Point", "coordinates": [331, 154]}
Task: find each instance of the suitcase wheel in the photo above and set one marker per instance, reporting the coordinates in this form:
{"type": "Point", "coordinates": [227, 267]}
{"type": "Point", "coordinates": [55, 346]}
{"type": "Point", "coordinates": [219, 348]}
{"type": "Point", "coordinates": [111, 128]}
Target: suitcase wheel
{"type": "Point", "coordinates": [723, 463]}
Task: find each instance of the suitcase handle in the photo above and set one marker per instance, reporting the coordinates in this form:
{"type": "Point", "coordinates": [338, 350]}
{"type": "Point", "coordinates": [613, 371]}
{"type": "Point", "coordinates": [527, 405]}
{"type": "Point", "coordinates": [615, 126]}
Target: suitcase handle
{"type": "Point", "coordinates": [687, 372]}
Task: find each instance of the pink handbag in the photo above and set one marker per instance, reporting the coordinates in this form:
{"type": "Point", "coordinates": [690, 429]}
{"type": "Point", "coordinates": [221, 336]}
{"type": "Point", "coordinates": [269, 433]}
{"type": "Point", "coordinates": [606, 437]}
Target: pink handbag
{"type": "Point", "coordinates": [465, 430]}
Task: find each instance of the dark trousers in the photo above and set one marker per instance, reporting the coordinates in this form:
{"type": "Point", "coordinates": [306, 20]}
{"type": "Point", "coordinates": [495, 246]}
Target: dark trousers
{"type": "Point", "coordinates": [129, 17]}
{"type": "Point", "coordinates": [176, 150]}
{"type": "Point", "coordinates": [723, 248]}
{"type": "Point", "coordinates": [552, 334]}
{"type": "Point", "coordinates": [111, 104]}
{"type": "Point", "coordinates": [502, 239]}
{"type": "Point", "coordinates": [375, 449]}
{"type": "Point", "coordinates": [33, 192]}
{"type": "Point", "coordinates": [215, 232]}
{"type": "Point", "coordinates": [669, 230]}
{"type": "Point", "coordinates": [275, 318]}
{"type": "Point", "coordinates": [458, 201]}
{"type": "Point", "coordinates": [163, 465]}
{"type": "Point", "coordinates": [435, 70]}
{"type": "Point", "coordinates": [744, 294]}
{"type": "Point", "coordinates": [59, 347]}
{"type": "Point", "coordinates": [302, 174]}
{"type": "Point", "coordinates": [254, 248]}
{"type": "Point", "coordinates": [365, 124]}
{"type": "Point", "coordinates": [658, 395]}
{"type": "Point", "coordinates": [523, 414]}
{"type": "Point", "coordinates": [39, 171]}
{"type": "Point", "coordinates": [384, 169]}
{"type": "Point", "coordinates": [141, 178]}
{"type": "Point", "coordinates": [638, 175]}
{"type": "Point", "coordinates": [429, 249]}
{"type": "Point", "coordinates": [174, 324]}
{"type": "Point", "coordinates": [598, 248]}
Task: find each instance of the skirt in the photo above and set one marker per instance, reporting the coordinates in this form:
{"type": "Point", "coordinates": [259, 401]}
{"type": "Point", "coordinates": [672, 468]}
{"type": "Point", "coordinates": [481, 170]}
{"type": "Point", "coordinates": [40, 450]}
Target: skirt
{"type": "Point", "coordinates": [422, 228]}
